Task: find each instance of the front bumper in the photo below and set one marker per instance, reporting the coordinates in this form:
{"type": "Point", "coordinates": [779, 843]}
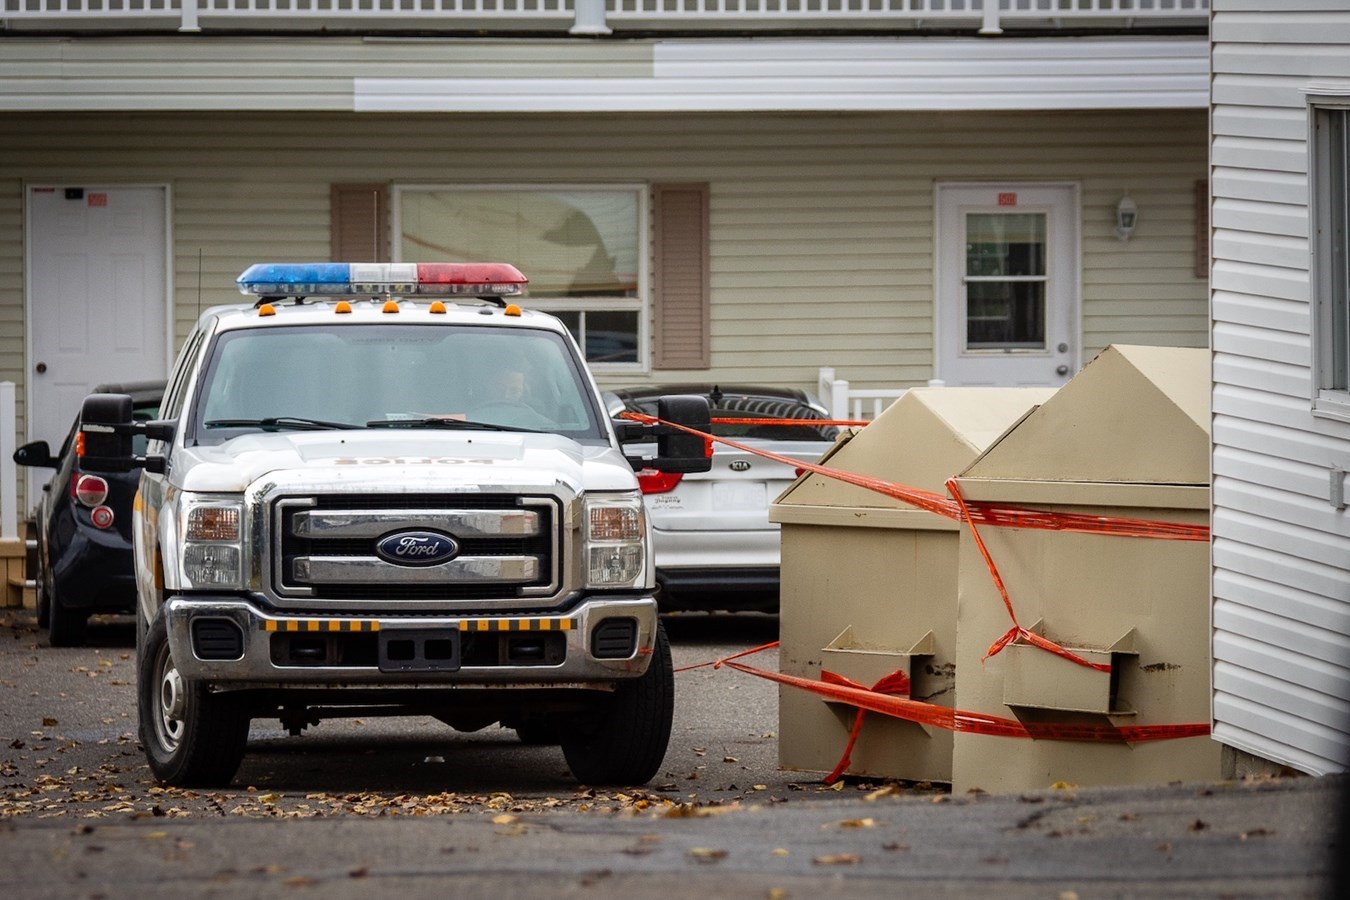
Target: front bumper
{"type": "Point", "coordinates": [343, 645]}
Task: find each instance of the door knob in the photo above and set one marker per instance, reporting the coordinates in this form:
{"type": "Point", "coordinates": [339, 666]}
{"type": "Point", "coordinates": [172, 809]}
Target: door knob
{"type": "Point", "coordinates": [41, 367]}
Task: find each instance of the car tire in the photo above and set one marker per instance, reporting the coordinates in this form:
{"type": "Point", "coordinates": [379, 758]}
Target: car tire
{"type": "Point", "coordinates": [66, 627]}
{"type": "Point", "coordinates": [625, 741]}
{"type": "Point", "coordinates": [192, 737]}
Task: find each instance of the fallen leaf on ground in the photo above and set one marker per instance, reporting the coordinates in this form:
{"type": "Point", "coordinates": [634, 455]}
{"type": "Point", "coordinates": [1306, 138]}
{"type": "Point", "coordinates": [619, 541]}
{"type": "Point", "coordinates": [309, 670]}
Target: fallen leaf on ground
{"type": "Point", "coordinates": [857, 823]}
{"type": "Point", "coordinates": [706, 854]}
{"type": "Point", "coordinates": [838, 859]}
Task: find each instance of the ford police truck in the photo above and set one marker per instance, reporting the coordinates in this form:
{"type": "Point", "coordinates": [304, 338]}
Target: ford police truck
{"type": "Point", "coordinates": [387, 489]}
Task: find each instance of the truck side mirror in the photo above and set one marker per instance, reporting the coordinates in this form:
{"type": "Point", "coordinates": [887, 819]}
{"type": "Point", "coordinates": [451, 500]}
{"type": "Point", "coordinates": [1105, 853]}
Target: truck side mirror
{"type": "Point", "coordinates": [680, 451]}
{"type": "Point", "coordinates": [36, 453]}
{"type": "Point", "coordinates": [105, 433]}
{"type": "Point", "coordinates": [676, 450]}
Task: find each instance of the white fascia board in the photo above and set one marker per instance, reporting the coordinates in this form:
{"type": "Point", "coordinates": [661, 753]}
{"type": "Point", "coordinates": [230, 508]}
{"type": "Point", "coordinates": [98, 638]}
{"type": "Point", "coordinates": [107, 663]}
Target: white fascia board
{"type": "Point", "coordinates": [828, 75]}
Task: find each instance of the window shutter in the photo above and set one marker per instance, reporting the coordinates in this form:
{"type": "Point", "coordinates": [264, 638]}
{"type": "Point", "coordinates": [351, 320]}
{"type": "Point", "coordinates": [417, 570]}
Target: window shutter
{"type": "Point", "coordinates": [360, 222]}
{"type": "Point", "coordinates": [680, 279]}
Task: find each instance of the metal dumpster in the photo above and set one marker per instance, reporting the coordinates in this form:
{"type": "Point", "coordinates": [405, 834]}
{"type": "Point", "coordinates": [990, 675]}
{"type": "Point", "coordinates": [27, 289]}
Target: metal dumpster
{"type": "Point", "coordinates": [1125, 439]}
{"type": "Point", "coordinates": [869, 582]}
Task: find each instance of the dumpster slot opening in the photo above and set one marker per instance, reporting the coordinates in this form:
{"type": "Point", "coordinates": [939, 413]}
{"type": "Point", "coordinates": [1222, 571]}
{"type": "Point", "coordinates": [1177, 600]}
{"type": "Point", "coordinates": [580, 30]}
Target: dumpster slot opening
{"type": "Point", "coordinates": [866, 663]}
{"type": "Point", "coordinates": [1035, 679]}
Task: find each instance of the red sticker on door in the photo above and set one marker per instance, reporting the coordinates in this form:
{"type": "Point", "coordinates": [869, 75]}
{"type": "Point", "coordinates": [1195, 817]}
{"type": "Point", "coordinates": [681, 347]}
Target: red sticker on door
{"type": "Point", "coordinates": [1008, 198]}
{"type": "Point", "coordinates": [98, 199]}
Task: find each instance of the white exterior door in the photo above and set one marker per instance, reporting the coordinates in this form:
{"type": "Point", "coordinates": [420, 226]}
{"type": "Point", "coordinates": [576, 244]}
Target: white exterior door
{"type": "Point", "coordinates": [97, 299]}
{"type": "Point", "coordinates": [1007, 284]}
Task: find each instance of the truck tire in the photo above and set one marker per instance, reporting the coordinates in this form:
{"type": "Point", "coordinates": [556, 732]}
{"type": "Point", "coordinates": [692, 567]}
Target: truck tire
{"type": "Point", "coordinates": [192, 737]}
{"type": "Point", "coordinates": [625, 743]}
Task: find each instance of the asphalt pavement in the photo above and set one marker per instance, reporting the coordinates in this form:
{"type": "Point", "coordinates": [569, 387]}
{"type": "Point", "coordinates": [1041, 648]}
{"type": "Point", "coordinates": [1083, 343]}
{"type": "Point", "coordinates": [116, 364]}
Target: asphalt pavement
{"type": "Point", "coordinates": [406, 806]}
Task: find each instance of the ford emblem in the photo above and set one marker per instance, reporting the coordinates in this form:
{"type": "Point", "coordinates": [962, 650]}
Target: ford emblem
{"type": "Point", "coordinates": [416, 548]}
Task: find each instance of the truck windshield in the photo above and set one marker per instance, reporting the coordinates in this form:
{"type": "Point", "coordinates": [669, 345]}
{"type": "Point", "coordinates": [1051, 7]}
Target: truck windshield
{"type": "Point", "coordinates": [393, 376]}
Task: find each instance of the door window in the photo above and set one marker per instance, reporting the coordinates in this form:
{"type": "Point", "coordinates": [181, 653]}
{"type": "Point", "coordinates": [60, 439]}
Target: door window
{"type": "Point", "coordinates": [1005, 281]}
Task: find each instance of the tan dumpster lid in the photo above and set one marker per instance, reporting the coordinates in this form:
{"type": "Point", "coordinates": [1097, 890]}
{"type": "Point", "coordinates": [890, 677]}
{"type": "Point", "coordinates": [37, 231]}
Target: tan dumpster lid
{"type": "Point", "coordinates": [1134, 415]}
{"type": "Point", "coordinates": [921, 440]}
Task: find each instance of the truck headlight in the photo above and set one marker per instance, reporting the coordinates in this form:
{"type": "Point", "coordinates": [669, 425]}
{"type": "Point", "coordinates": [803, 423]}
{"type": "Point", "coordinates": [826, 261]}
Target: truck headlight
{"type": "Point", "coordinates": [213, 537]}
{"type": "Point", "coordinates": [616, 533]}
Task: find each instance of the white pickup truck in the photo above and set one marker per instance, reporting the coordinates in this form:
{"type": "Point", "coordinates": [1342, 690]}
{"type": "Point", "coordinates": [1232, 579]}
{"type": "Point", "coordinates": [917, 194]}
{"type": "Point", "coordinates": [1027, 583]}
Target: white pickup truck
{"type": "Point", "coordinates": [382, 488]}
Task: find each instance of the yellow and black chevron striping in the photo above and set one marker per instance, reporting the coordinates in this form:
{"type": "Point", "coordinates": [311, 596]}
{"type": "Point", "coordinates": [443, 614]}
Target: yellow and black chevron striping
{"type": "Point", "coordinates": [321, 625]}
{"type": "Point", "coordinates": [366, 625]}
{"type": "Point", "coordinates": [523, 624]}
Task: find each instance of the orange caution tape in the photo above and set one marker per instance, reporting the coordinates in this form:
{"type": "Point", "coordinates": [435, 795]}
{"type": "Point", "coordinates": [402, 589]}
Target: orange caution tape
{"type": "Point", "coordinates": [1017, 631]}
{"type": "Point", "coordinates": [814, 423]}
{"type": "Point", "coordinates": [717, 663]}
{"type": "Point", "coordinates": [968, 722]}
{"type": "Point", "coordinates": [882, 698]}
{"type": "Point", "coordinates": [896, 683]}
{"type": "Point", "coordinates": [928, 500]}
{"type": "Point", "coordinates": [984, 513]}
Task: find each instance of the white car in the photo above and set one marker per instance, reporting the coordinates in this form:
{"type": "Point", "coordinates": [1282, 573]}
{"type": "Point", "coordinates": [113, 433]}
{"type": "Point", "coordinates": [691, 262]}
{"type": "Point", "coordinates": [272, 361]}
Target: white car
{"type": "Point", "coordinates": [714, 546]}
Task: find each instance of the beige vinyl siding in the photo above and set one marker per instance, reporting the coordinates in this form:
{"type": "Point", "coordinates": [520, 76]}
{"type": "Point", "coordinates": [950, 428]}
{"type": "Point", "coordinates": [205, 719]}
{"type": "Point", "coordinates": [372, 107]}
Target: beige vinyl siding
{"type": "Point", "coordinates": [821, 225]}
{"type": "Point", "coordinates": [1281, 551]}
{"type": "Point", "coordinates": [199, 72]}
{"type": "Point", "coordinates": [12, 366]}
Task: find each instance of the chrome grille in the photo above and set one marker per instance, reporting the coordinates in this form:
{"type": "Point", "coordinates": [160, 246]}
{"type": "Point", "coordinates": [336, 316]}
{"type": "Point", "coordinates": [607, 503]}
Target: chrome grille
{"type": "Point", "coordinates": [507, 547]}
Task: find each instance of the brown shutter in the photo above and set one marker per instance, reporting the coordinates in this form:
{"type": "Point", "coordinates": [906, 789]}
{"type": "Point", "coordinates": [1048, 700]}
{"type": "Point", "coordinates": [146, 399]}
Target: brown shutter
{"type": "Point", "coordinates": [360, 222]}
{"type": "Point", "coordinates": [680, 280]}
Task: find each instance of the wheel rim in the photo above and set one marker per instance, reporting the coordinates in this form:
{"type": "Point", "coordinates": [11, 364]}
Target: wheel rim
{"type": "Point", "coordinates": [170, 702]}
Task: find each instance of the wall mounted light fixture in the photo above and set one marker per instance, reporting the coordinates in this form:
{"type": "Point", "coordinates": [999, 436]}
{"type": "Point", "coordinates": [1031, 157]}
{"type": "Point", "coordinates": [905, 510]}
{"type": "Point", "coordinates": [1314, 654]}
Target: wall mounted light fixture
{"type": "Point", "coordinates": [1127, 214]}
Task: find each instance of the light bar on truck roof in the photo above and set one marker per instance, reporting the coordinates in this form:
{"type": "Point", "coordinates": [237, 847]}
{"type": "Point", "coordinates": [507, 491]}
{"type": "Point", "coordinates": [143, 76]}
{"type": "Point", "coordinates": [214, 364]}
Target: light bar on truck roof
{"type": "Point", "coordinates": [369, 279]}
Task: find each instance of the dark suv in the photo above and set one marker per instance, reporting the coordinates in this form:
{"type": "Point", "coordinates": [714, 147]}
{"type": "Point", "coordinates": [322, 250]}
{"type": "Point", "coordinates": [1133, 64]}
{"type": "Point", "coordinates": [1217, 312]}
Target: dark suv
{"type": "Point", "coordinates": [84, 529]}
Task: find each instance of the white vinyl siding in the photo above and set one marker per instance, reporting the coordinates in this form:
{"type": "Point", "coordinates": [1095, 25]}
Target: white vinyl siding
{"type": "Point", "coordinates": [545, 75]}
{"type": "Point", "coordinates": [821, 225]}
{"type": "Point", "coordinates": [1281, 550]}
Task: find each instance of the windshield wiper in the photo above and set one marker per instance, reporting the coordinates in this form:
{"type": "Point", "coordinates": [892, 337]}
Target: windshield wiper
{"type": "Point", "coordinates": [281, 423]}
{"type": "Point", "coordinates": [436, 422]}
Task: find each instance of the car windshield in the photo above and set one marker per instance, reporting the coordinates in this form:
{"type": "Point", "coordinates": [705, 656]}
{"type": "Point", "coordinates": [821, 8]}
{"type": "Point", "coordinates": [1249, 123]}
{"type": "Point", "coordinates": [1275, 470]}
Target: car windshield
{"type": "Point", "coordinates": [749, 407]}
{"type": "Point", "coordinates": [306, 378]}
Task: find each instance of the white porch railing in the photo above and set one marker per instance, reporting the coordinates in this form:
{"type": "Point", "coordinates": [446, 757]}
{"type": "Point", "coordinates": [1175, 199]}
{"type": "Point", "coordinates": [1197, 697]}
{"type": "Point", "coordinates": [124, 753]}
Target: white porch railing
{"type": "Point", "coordinates": [853, 404]}
{"type": "Point", "coordinates": [597, 17]}
{"type": "Point", "coordinates": [9, 470]}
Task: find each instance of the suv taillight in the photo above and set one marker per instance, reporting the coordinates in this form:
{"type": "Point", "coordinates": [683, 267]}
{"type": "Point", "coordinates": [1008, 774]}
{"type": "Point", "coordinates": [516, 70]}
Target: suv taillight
{"type": "Point", "coordinates": [654, 482]}
{"type": "Point", "coordinates": [90, 490]}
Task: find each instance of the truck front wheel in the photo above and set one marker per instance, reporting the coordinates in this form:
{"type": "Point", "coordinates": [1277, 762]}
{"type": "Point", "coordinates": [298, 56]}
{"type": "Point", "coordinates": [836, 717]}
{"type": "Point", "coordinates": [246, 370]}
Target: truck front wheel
{"type": "Point", "coordinates": [192, 737]}
{"type": "Point", "coordinates": [625, 740]}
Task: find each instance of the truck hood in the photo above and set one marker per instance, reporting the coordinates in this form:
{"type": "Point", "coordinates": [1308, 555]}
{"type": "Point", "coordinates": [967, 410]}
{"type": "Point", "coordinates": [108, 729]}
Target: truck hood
{"type": "Point", "coordinates": [402, 462]}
